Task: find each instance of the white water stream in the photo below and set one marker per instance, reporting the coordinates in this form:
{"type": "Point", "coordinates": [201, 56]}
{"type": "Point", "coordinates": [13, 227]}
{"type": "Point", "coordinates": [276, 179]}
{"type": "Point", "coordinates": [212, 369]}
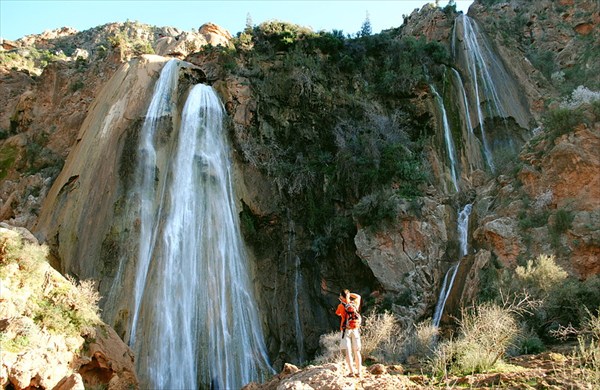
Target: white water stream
{"type": "Point", "coordinates": [480, 59]}
{"type": "Point", "coordinates": [463, 230]}
{"type": "Point", "coordinates": [447, 138]}
{"type": "Point", "coordinates": [195, 323]}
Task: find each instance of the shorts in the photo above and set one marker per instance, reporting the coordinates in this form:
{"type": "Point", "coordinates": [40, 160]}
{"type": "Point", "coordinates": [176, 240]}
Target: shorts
{"type": "Point", "coordinates": [351, 340]}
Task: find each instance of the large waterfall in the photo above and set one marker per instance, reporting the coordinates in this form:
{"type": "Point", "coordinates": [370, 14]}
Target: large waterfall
{"type": "Point", "coordinates": [463, 229]}
{"type": "Point", "coordinates": [491, 90]}
{"type": "Point", "coordinates": [194, 323]}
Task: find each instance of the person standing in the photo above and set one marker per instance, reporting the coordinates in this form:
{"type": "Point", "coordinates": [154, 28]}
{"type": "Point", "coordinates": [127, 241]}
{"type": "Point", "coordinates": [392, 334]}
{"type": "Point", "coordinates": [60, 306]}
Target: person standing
{"type": "Point", "coordinates": [348, 310]}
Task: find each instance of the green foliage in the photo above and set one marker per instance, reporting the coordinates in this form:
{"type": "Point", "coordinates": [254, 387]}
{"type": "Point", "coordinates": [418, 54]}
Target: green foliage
{"type": "Point", "coordinates": [76, 85]}
{"type": "Point", "coordinates": [544, 61]}
{"type": "Point", "coordinates": [376, 208]}
{"type": "Point", "coordinates": [539, 277]}
{"type": "Point", "coordinates": [31, 59]}
{"type": "Point", "coordinates": [530, 344]}
{"type": "Point", "coordinates": [365, 29]}
{"type": "Point", "coordinates": [489, 3]}
{"type": "Point", "coordinates": [563, 299]}
{"type": "Point", "coordinates": [333, 123]}
{"type": "Point", "coordinates": [133, 38]}
{"type": "Point", "coordinates": [562, 221]}
{"type": "Point", "coordinates": [532, 218]}
{"type": "Point", "coordinates": [562, 121]}
{"type": "Point", "coordinates": [485, 334]}
{"type": "Point", "coordinates": [8, 155]}
{"type": "Point", "coordinates": [273, 36]}
{"type": "Point", "coordinates": [45, 300]}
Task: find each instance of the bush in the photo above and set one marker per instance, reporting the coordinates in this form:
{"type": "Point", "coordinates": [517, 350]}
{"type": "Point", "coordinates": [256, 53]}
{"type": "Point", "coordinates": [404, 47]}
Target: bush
{"type": "Point", "coordinates": [383, 339]}
{"type": "Point", "coordinates": [562, 121]}
{"type": "Point", "coordinates": [46, 302]}
{"type": "Point", "coordinates": [485, 334]}
{"type": "Point", "coordinates": [379, 330]}
{"type": "Point", "coordinates": [539, 277]}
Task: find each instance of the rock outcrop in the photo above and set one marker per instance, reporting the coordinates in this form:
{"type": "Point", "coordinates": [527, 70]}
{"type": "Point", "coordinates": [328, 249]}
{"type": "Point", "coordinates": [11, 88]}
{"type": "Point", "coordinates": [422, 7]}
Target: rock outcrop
{"type": "Point", "coordinates": [51, 336]}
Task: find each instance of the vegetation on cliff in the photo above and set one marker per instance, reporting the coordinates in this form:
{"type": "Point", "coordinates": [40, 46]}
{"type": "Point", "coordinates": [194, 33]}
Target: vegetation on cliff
{"type": "Point", "coordinates": [336, 127]}
{"type": "Point", "coordinates": [52, 334]}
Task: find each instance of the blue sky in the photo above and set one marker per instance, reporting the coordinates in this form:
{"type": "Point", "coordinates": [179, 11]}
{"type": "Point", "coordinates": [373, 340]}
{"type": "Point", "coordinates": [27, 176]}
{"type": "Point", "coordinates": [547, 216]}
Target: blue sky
{"type": "Point", "coordinates": [23, 17]}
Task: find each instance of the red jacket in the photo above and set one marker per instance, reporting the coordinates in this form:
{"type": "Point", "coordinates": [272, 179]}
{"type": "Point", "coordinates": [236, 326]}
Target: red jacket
{"type": "Point", "coordinates": [341, 310]}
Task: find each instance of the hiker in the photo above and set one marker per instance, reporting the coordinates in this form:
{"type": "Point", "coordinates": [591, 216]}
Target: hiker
{"type": "Point", "coordinates": [350, 327]}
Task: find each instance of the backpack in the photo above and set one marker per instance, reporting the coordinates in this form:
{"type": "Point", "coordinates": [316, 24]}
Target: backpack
{"type": "Point", "coordinates": [353, 319]}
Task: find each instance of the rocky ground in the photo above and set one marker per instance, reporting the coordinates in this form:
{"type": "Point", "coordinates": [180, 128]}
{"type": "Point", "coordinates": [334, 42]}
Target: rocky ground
{"type": "Point", "coordinates": [554, 369]}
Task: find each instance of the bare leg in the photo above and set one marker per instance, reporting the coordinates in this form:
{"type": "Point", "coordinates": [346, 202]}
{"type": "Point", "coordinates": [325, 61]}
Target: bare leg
{"type": "Point", "coordinates": [358, 360]}
{"type": "Point", "coordinates": [349, 360]}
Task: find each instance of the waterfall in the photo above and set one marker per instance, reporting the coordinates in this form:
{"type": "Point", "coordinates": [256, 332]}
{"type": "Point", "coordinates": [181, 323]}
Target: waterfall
{"type": "Point", "coordinates": [463, 230]}
{"type": "Point", "coordinates": [444, 293]}
{"type": "Point", "coordinates": [292, 257]}
{"type": "Point", "coordinates": [465, 102]}
{"type": "Point", "coordinates": [194, 323]}
{"type": "Point", "coordinates": [447, 137]}
{"type": "Point", "coordinates": [151, 198]}
{"type": "Point", "coordinates": [299, 333]}
{"type": "Point", "coordinates": [477, 59]}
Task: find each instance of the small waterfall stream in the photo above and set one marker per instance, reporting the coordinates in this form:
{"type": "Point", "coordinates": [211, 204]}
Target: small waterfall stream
{"type": "Point", "coordinates": [195, 323]}
{"type": "Point", "coordinates": [447, 137]}
{"type": "Point", "coordinates": [295, 259]}
{"type": "Point", "coordinates": [463, 230]}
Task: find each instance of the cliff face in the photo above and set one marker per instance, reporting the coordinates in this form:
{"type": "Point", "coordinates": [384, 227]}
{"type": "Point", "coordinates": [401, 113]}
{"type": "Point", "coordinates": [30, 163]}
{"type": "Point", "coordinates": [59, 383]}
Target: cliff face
{"type": "Point", "coordinates": [341, 163]}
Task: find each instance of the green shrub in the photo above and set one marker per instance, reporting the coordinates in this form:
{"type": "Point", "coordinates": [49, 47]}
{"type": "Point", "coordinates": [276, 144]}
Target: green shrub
{"type": "Point", "coordinates": [530, 344]}
{"type": "Point", "coordinates": [53, 303]}
{"type": "Point", "coordinates": [544, 61]}
{"type": "Point", "coordinates": [562, 121]}
{"type": "Point", "coordinates": [8, 156]}
{"type": "Point", "coordinates": [562, 221]}
{"type": "Point", "coordinates": [539, 277]}
{"type": "Point", "coordinates": [485, 334]}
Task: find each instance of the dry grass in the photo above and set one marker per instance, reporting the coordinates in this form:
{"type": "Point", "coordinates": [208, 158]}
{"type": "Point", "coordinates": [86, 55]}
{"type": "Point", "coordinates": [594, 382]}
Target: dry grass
{"type": "Point", "coordinates": [485, 333]}
{"type": "Point", "coordinates": [384, 340]}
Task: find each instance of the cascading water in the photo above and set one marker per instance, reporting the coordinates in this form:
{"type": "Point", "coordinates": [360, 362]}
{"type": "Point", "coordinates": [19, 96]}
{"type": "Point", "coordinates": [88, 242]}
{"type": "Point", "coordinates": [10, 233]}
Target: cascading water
{"type": "Point", "coordinates": [463, 229]}
{"type": "Point", "coordinates": [293, 258]}
{"type": "Point", "coordinates": [194, 319]}
{"type": "Point", "coordinates": [151, 197]}
{"type": "Point", "coordinates": [465, 102]}
{"type": "Point", "coordinates": [481, 63]}
{"type": "Point", "coordinates": [447, 138]}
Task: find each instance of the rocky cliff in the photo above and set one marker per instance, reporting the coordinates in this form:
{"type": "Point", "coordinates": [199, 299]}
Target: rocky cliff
{"type": "Point", "coordinates": [52, 336]}
{"type": "Point", "coordinates": [343, 169]}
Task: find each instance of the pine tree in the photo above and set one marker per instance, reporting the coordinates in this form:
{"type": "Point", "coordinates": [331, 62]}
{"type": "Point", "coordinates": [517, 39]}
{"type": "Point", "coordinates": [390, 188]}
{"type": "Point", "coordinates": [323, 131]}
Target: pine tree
{"type": "Point", "coordinates": [365, 30]}
{"type": "Point", "coordinates": [249, 24]}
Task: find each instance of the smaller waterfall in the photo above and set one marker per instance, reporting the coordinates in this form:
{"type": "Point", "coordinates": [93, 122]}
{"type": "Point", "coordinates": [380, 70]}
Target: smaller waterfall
{"type": "Point", "coordinates": [465, 102]}
{"type": "Point", "coordinates": [299, 333]}
{"type": "Point", "coordinates": [463, 230]}
{"type": "Point", "coordinates": [444, 293]}
{"type": "Point", "coordinates": [447, 138]}
{"type": "Point", "coordinates": [297, 282]}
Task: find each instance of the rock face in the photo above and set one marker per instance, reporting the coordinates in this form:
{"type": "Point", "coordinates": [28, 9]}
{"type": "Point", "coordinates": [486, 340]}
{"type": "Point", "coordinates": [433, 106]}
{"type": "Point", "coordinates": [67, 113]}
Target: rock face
{"type": "Point", "coordinates": [405, 260]}
{"type": "Point", "coordinates": [559, 182]}
{"type": "Point", "coordinates": [115, 116]}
